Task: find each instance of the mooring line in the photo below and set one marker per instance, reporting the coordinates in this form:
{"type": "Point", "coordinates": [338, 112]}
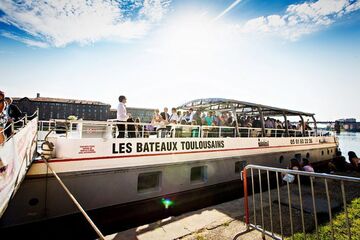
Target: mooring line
{"type": "Point", "coordinates": [101, 236]}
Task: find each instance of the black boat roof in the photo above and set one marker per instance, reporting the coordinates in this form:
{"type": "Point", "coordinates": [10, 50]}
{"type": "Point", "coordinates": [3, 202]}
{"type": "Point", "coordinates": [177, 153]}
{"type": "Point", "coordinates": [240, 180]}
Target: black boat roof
{"type": "Point", "coordinates": [241, 107]}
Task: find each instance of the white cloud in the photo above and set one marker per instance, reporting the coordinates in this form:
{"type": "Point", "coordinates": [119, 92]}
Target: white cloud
{"type": "Point", "coordinates": [27, 41]}
{"type": "Point", "coordinates": [301, 19]}
{"type": "Point", "coordinates": [61, 22]}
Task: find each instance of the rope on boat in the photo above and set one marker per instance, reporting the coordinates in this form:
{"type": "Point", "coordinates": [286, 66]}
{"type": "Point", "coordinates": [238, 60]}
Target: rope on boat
{"type": "Point", "coordinates": [101, 236]}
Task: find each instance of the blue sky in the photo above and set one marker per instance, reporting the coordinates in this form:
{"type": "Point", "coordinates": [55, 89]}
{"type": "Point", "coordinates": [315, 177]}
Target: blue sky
{"type": "Point", "coordinates": [302, 55]}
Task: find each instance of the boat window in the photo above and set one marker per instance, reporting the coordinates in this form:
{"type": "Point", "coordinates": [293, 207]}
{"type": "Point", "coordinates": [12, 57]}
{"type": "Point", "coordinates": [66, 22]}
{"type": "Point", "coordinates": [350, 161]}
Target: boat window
{"type": "Point", "coordinates": [198, 174]}
{"type": "Point", "coordinates": [33, 201]}
{"type": "Point", "coordinates": [148, 182]}
{"type": "Point", "coordinates": [281, 159]}
{"type": "Point", "coordinates": [239, 166]}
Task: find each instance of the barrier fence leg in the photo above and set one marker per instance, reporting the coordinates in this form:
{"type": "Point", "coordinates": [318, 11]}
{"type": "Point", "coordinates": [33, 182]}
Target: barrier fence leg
{"type": "Point", "coordinates": [246, 200]}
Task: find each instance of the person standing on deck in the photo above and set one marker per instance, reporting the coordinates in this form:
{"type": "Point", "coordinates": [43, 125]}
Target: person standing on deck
{"type": "Point", "coordinates": [13, 114]}
{"type": "Point", "coordinates": [121, 116]}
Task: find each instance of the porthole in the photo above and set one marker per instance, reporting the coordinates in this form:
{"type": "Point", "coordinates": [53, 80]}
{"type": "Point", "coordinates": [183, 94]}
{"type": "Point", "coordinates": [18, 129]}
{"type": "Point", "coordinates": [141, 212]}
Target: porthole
{"type": "Point", "coordinates": [198, 174]}
{"type": "Point", "coordinates": [281, 159]}
{"type": "Point", "coordinates": [33, 201]}
{"type": "Point", "coordinates": [149, 182]}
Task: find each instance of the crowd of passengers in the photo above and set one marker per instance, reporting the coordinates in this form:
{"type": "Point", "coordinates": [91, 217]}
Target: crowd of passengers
{"type": "Point", "coordinates": [165, 120]}
{"type": "Point", "coordinates": [214, 118]}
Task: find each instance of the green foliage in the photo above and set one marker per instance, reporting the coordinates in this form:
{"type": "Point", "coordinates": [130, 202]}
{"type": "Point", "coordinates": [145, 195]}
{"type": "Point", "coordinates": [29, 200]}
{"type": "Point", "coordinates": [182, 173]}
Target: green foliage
{"type": "Point", "coordinates": [200, 237]}
{"type": "Point", "coordinates": [226, 224]}
{"type": "Point", "coordinates": [340, 226]}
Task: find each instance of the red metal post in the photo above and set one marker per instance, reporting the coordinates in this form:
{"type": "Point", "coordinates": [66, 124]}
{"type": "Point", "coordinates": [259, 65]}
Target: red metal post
{"type": "Point", "coordinates": [246, 203]}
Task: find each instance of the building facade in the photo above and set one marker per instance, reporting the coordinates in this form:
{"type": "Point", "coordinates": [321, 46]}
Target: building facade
{"type": "Point", "coordinates": [58, 108]}
{"type": "Point", "coordinates": [145, 114]}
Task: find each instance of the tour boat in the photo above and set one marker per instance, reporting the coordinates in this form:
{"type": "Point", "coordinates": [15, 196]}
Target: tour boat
{"type": "Point", "coordinates": [122, 179]}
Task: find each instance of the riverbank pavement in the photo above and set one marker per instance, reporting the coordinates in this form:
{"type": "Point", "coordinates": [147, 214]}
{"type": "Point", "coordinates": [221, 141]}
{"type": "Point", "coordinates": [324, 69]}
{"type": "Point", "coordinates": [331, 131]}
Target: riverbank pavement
{"type": "Point", "coordinates": [226, 220]}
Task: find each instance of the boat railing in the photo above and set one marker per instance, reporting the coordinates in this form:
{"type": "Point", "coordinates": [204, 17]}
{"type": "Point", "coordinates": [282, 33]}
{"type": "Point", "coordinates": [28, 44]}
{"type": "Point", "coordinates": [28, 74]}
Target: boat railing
{"type": "Point", "coordinates": [17, 125]}
{"type": "Point", "coordinates": [109, 129]}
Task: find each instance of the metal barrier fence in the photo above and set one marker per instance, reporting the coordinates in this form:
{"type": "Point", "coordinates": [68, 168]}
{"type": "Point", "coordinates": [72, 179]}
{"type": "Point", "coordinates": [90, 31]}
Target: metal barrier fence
{"type": "Point", "coordinates": [300, 180]}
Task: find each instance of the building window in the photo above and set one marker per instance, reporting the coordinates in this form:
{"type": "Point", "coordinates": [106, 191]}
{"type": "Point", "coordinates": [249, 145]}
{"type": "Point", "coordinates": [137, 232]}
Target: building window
{"type": "Point", "coordinates": [281, 159]}
{"type": "Point", "coordinates": [308, 155]}
{"type": "Point", "coordinates": [239, 166]}
{"type": "Point", "coordinates": [198, 174]}
{"type": "Point", "coordinates": [149, 182]}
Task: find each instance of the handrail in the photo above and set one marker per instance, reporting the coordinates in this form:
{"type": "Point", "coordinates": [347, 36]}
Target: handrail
{"type": "Point", "coordinates": [23, 120]}
{"type": "Point", "coordinates": [218, 131]}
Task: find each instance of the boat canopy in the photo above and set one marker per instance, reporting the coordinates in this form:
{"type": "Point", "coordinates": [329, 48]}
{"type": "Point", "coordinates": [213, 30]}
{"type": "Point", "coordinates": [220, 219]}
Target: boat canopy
{"type": "Point", "coordinates": [240, 107]}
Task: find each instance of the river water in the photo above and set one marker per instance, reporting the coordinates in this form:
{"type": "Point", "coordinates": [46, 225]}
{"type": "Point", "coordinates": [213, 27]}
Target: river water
{"type": "Point", "coordinates": [349, 141]}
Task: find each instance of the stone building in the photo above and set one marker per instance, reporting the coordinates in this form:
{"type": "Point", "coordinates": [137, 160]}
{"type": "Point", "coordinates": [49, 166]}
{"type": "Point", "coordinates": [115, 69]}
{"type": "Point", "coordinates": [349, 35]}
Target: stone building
{"type": "Point", "coordinates": [59, 108]}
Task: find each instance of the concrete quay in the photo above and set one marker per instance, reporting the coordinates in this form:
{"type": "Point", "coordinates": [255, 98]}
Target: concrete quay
{"type": "Point", "coordinates": [226, 220]}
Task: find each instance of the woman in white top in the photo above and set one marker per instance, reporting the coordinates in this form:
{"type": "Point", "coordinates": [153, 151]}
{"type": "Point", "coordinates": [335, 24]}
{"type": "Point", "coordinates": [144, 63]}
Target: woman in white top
{"type": "Point", "coordinates": [157, 120]}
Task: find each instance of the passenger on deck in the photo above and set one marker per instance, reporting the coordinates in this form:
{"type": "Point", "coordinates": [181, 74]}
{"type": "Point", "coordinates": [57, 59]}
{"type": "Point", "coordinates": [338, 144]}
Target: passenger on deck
{"type": "Point", "coordinates": [138, 128]}
{"type": "Point", "coordinates": [131, 127]}
{"type": "Point", "coordinates": [354, 160]}
{"type": "Point", "coordinates": [157, 120]}
{"type": "Point", "coordinates": [165, 115]}
{"type": "Point", "coordinates": [186, 116]}
{"type": "Point", "coordinates": [256, 123]}
{"type": "Point", "coordinates": [121, 116]}
{"type": "Point", "coordinates": [191, 115]}
{"type": "Point", "coordinates": [197, 117]}
{"type": "Point", "coordinates": [13, 115]}
{"type": "Point", "coordinates": [209, 118]}
{"type": "Point", "coordinates": [230, 120]}
{"type": "Point", "coordinates": [268, 123]}
{"type": "Point", "coordinates": [174, 118]}
{"type": "Point", "coordinates": [3, 117]}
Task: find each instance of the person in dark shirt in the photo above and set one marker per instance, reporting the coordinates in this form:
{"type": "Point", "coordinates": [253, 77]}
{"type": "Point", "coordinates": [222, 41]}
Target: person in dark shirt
{"type": "Point", "coordinates": [165, 115]}
{"type": "Point", "coordinates": [131, 127]}
{"type": "Point", "coordinates": [354, 160]}
{"type": "Point", "coordinates": [13, 113]}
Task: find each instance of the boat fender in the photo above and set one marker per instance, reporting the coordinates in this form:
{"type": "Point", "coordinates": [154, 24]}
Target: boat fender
{"type": "Point", "coordinates": [47, 150]}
